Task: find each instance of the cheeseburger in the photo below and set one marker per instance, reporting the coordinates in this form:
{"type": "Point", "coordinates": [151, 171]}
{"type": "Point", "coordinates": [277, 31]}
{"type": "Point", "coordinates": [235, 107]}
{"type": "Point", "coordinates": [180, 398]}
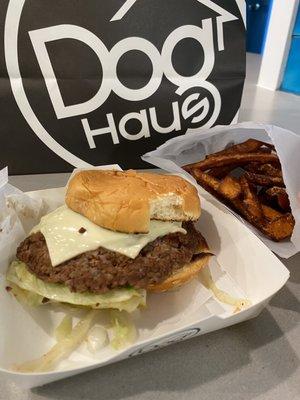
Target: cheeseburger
{"type": "Point", "coordinates": [118, 235]}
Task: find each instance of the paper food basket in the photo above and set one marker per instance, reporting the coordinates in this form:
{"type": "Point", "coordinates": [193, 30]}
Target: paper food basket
{"type": "Point", "coordinates": [242, 266]}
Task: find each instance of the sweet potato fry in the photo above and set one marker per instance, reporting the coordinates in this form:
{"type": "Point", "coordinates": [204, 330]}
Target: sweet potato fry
{"type": "Point", "coordinates": [264, 180]}
{"type": "Point", "coordinates": [280, 228]}
{"type": "Point", "coordinates": [220, 172]}
{"type": "Point", "coordinates": [234, 160]}
{"type": "Point", "coordinates": [281, 197]}
{"type": "Point", "coordinates": [208, 182]}
{"type": "Point", "coordinates": [249, 146]}
{"type": "Point", "coordinates": [277, 228]}
{"type": "Point", "coordinates": [230, 187]}
{"type": "Point", "coordinates": [212, 185]}
{"type": "Point", "coordinates": [264, 150]}
{"type": "Point", "coordinates": [264, 169]}
{"type": "Point", "coordinates": [251, 201]}
{"type": "Point", "coordinates": [275, 190]}
{"type": "Point", "coordinates": [268, 210]}
{"type": "Point", "coordinates": [269, 213]}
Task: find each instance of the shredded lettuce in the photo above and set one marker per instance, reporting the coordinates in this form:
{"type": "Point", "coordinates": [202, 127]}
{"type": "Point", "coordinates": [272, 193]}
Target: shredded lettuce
{"type": "Point", "coordinates": [224, 297]}
{"type": "Point", "coordinates": [64, 328]}
{"type": "Point", "coordinates": [25, 297]}
{"type": "Point", "coordinates": [123, 330]}
{"type": "Point", "coordinates": [127, 299]}
{"type": "Point", "coordinates": [97, 339]}
{"type": "Point", "coordinates": [62, 349]}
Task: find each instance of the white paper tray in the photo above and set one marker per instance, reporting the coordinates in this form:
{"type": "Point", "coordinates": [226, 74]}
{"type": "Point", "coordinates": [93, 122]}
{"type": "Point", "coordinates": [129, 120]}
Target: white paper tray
{"type": "Point", "coordinates": [249, 269]}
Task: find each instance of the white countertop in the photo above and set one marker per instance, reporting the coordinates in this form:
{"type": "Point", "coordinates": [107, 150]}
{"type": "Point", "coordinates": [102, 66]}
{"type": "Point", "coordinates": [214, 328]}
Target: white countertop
{"type": "Point", "coordinates": [257, 359]}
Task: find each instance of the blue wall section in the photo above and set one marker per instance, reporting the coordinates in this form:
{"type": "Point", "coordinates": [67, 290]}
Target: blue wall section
{"type": "Point", "coordinates": [258, 15]}
{"type": "Point", "coordinates": [291, 79]}
{"type": "Point", "coordinates": [297, 24]}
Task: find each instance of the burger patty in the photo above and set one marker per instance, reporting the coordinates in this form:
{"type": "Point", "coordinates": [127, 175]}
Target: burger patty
{"type": "Point", "coordinates": [100, 270]}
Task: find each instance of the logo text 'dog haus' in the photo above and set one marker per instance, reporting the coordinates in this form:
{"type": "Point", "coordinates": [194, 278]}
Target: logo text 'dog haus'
{"type": "Point", "coordinates": [202, 105]}
{"type": "Point", "coordinates": [101, 84]}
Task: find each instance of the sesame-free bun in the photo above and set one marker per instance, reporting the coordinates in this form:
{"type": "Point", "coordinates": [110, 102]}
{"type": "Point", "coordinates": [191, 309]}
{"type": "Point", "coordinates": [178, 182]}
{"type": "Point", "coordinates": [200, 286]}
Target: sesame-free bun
{"type": "Point", "coordinates": [125, 201]}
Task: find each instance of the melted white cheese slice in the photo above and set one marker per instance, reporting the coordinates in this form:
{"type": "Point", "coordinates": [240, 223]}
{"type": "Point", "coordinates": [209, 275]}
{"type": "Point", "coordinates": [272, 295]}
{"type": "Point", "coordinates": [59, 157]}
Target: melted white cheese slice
{"type": "Point", "coordinates": [61, 229]}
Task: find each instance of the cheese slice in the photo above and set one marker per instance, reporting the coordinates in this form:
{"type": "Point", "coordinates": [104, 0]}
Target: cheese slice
{"type": "Point", "coordinates": [69, 234]}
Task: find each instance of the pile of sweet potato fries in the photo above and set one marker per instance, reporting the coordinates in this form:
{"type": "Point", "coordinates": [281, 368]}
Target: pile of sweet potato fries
{"type": "Point", "coordinates": [248, 178]}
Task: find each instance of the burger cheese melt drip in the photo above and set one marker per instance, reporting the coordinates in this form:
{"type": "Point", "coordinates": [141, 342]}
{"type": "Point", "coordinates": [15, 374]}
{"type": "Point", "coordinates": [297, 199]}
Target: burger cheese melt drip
{"type": "Point", "coordinates": [119, 235]}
